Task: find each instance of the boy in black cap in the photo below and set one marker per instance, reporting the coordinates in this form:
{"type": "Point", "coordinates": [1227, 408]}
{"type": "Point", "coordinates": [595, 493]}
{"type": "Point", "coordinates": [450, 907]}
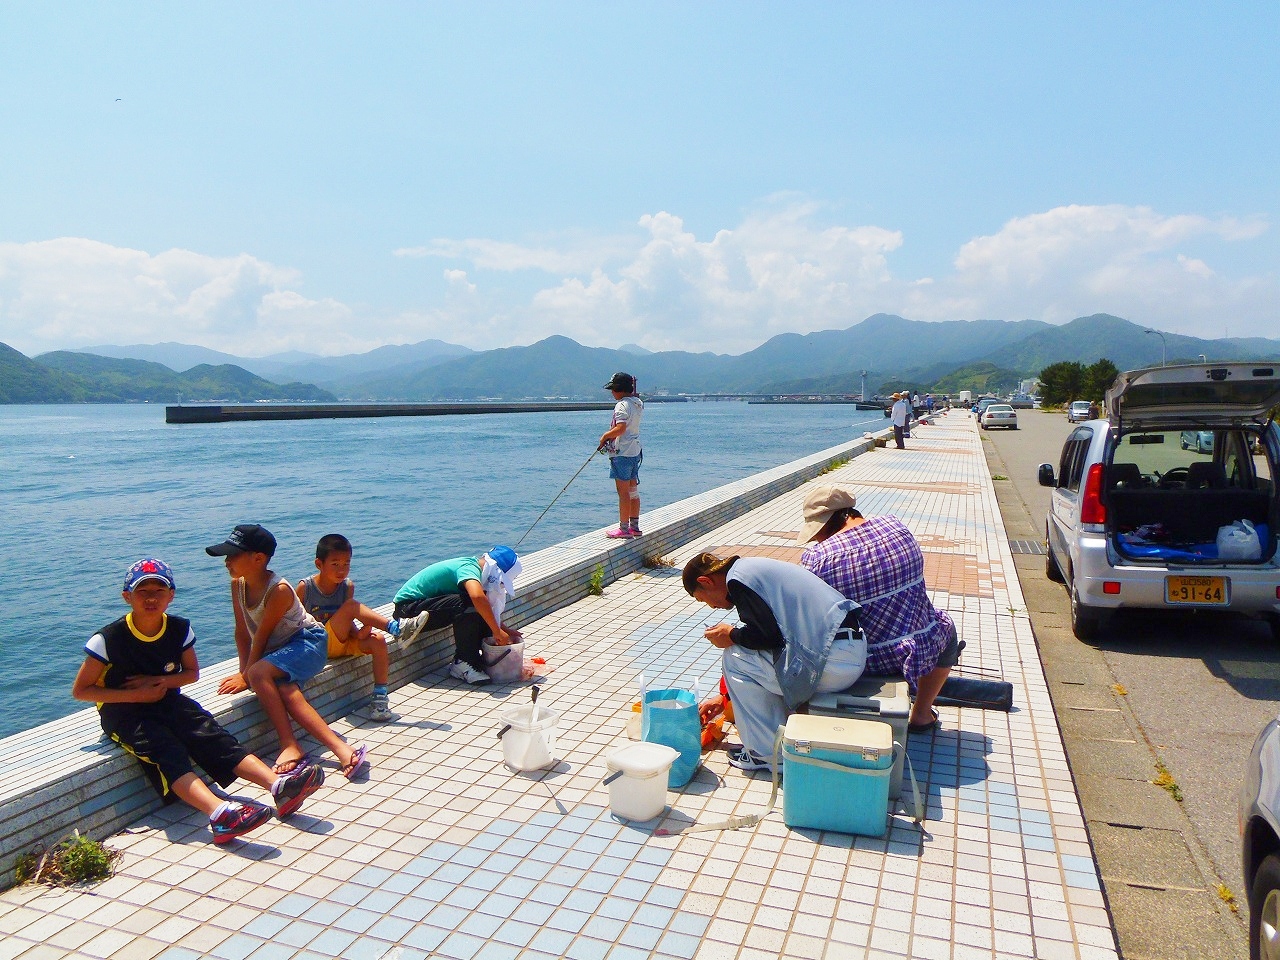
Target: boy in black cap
{"type": "Point", "coordinates": [622, 442]}
{"type": "Point", "coordinates": [281, 646]}
{"type": "Point", "coordinates": [133, 669]}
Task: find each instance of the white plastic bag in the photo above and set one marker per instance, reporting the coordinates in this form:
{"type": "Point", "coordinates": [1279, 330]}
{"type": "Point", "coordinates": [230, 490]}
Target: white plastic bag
{"type": "Point", "coordinates": [1239, 541]}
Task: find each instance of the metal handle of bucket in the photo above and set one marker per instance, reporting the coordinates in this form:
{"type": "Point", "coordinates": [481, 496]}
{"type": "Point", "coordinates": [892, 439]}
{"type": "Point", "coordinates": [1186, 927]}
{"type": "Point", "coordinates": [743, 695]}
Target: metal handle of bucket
{"type": "Point", "coordinates": [499, 658]}
{"type": "Point", "coordinates": [612, 777]}
{"type": "Point", "coordinates": [503, 730]}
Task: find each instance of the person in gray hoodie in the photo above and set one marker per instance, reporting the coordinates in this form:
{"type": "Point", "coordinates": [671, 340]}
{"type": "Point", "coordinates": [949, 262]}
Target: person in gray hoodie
{"type": "Point", "coordinates": [798, 637]}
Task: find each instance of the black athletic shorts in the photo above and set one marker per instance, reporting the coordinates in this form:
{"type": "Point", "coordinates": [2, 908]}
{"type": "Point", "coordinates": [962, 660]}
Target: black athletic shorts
{"type": "Point", "coordinates": [171, 734]}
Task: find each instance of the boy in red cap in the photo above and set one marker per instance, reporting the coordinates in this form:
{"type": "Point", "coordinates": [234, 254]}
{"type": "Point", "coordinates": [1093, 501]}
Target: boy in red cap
{"type": "Point", "coordinates": [133, 670]}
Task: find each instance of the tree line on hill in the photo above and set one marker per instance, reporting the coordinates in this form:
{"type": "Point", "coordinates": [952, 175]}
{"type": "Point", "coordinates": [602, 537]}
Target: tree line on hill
{"type": "Point", "coordinates": [1068, 380]}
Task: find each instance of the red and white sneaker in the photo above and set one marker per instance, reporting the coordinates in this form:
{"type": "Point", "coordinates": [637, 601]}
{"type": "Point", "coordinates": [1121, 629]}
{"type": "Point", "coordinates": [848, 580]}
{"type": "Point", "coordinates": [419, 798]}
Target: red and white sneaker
{"type": "Point", "coordinates": [237, 820]}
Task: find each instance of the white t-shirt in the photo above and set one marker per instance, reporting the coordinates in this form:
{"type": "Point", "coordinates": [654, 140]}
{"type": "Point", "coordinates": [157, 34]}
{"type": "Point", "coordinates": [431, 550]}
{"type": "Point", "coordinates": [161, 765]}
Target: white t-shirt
{"type": "Point", "coordinates": [901, 410]}
{"type": "Point", "coordinates": [628, 410]}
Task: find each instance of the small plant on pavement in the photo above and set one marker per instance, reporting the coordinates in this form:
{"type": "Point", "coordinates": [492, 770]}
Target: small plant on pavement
{"type": "Point", "coordinates": [69, 862]}
{"type": "Point", "coordinates": [595, 586]}
{"type": "Point", "coordinates": [1164, 779]}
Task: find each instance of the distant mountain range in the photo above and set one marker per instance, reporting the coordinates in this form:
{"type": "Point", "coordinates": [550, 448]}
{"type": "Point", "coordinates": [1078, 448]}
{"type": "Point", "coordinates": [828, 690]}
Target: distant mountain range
{"type": "Point", "coordinates": [894, 352]}
{"type": "Point", "coordinates": [66, 377]}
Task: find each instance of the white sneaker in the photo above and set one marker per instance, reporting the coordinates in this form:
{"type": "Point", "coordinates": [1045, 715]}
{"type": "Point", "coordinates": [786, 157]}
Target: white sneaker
{"type": "Point", "coordinates": [461, 670]}
{"type": "Point", "coordinates": [412, 628]}
{"type": "Point", "coordinates": [380, 708]}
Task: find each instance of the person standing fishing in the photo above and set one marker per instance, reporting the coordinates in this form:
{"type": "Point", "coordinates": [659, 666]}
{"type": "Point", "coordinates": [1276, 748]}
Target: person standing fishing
{"type": "Point", "coordinates": [622, 443]}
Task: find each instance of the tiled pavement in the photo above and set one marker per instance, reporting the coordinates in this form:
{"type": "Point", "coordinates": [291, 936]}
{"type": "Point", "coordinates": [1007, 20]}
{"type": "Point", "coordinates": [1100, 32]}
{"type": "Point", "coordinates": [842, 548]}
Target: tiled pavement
{"type": "Point", "coordinates": [443, 852]}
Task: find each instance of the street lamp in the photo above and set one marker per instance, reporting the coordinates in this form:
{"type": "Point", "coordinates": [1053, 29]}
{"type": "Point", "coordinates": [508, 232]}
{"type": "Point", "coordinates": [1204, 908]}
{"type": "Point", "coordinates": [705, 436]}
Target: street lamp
{"type": "Point", "coordinates": [1203, 359]}
{"type": "Point", "coordinates": [1162, 344]}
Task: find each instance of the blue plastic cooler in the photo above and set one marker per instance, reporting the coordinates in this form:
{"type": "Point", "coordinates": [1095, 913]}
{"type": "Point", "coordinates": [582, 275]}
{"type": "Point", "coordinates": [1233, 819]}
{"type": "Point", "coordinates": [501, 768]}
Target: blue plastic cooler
{"type": "Point", "coordinates": [836, 774]}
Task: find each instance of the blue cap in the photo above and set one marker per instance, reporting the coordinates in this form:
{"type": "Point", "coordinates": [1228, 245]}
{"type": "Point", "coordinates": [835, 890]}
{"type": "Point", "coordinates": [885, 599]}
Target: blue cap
{"type": "Point", "coordinates": [148, 569]}
{"type": "Point", "coordinates": [504, 557]}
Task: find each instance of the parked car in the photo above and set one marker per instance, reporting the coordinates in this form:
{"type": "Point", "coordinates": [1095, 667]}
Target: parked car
{"type": "Point", "coordinates": [980, 407]}
{"type": "Point", "coordinates": [1020, 401]}
{"type": "Point", "coordinates": [1134, 519]}
{"type": "Point", "coordinates": [1078, 412]}
{"type": "Point", "coordinates": [998, 415]}
{"type": "Point", "coordinates": [1201, 441]}
{"type": "Point", "coordinates": [1260, 842]}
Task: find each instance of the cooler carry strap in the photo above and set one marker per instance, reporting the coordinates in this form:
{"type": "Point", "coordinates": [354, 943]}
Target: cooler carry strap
{"type": "Point", "coordinates": [750, 819]}
{"type": "Point", "coordinates": [916, 803]}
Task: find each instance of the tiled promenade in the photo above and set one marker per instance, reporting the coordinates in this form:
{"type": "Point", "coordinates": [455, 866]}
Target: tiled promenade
{"type": "Point", "coordinates": [443, 852]}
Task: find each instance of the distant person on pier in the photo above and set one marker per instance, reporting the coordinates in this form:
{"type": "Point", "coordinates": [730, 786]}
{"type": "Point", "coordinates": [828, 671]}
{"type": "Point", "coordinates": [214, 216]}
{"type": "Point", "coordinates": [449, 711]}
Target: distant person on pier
{"type": "Point", "coordinates": [900, 413]}
{"type": "Point", "coordinates": [134, 669]}
{"type": "Point", "coordinates": [877, 563]}
{"type": "Point", "coordinates": [281, 647]}
{"type": "Point", "coordinates": [622, 443]}
{"type": "Point", "coordinates": [330, 597]}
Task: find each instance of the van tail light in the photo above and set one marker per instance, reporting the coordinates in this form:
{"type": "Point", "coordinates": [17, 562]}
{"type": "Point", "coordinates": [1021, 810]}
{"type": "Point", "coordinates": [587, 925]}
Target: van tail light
{"type": "Point", "coordinates": [1091, 508]}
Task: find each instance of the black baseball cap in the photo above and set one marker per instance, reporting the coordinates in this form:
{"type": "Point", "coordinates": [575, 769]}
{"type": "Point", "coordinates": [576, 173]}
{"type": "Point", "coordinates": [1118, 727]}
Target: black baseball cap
{"type": "Point", "coordinates": [622, 382]}
{"type": "Point", "coordinates": [245, 538]}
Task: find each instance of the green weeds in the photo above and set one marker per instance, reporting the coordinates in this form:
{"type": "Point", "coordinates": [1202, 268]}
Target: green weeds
{"type": "Point", "coordinates": [69, 862]}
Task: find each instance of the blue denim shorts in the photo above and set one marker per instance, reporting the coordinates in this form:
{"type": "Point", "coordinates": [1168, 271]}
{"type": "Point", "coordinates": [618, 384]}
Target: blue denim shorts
{"type": "Point", "coordinates": [625, 468]}
{"type": "Point", "coordinates": [303, 655]}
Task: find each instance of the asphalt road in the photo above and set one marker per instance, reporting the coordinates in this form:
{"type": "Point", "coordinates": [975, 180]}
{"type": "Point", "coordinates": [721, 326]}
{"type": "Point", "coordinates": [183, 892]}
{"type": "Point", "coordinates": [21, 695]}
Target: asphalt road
{"type": "Point", "coordinates": [1188, 691]}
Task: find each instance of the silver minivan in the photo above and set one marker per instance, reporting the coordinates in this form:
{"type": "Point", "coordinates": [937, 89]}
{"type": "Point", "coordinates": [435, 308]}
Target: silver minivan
{"type": "Point", "coordinates": [1135, 519]}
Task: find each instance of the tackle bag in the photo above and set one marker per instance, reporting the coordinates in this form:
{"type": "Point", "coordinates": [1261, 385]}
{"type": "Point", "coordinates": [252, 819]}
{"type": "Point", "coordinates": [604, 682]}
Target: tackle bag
{"type": "Point", "coordinates": [972, 692]}
{"type": "Point", "coordinates": [670, 717]}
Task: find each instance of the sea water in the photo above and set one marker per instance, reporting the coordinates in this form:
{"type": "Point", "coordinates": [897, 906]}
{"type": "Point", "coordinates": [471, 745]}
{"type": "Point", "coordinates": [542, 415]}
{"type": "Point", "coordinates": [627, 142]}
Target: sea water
{"type": "Point", "coordinates": [87, 489]}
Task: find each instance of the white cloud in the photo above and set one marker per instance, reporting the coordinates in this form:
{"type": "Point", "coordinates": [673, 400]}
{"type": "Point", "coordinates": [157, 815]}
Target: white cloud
{"type": "Point", "coordinates": [73, 292]}
{"type": "Point", "coordinates": [1129, 261]}
{"type": "Point", "coordinates": [784, 268]}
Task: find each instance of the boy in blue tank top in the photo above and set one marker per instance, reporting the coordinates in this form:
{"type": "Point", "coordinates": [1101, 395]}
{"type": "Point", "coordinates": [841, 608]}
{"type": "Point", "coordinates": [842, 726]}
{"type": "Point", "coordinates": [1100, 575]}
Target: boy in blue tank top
{"type": "Point", "coordinates": [133, 670]}
{"type": "Point", "coordinates": [329, 596]}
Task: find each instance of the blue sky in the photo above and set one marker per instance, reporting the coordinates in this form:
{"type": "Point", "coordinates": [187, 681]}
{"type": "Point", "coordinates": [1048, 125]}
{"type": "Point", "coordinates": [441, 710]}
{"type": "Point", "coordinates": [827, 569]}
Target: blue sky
{"type": "Point", "coordinates": [334, 177]}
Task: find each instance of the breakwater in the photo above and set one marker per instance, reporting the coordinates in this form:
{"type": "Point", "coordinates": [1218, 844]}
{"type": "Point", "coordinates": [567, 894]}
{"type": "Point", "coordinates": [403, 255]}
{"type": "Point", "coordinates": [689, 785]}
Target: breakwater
{"type": "Point", "coordinates": [235, 412]}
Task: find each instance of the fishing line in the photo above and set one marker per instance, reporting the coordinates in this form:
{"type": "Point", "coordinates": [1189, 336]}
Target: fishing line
{"type": "Point", "coordinates": [558, 495]}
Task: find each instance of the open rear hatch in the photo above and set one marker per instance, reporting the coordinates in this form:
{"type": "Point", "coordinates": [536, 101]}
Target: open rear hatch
{"type": "Point", "coordinates": [1166, 496]}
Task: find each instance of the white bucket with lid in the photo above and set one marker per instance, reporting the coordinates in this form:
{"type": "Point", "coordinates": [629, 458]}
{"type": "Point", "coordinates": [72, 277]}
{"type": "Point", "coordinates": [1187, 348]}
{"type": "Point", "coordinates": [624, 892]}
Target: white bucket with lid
{"type": "Point", "coordinates": [504, 663]}
{"type": "Point", "coordinates": [528, 744]}
{"type": "Point", "coordinates": [638, 779]}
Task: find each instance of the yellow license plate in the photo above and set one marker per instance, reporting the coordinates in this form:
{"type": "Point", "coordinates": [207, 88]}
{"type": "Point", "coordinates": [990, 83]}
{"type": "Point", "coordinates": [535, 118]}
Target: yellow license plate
{"type": "Point", "coordinates": [1195, 590]}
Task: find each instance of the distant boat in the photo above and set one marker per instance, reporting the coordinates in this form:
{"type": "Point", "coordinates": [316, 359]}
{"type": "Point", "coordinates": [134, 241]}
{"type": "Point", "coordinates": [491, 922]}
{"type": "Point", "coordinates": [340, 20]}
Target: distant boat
{"type": "Point", "coordinates": [867, 405]}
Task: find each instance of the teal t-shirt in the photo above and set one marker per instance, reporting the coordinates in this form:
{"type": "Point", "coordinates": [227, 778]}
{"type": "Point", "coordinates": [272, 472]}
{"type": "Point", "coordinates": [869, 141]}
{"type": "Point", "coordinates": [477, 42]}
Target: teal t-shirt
{"type": "Point", "coordinates": [439, 579]}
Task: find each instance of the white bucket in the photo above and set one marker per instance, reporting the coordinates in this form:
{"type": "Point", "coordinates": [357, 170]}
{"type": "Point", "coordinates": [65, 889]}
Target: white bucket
{"type": "Point", "coordinates": [528, 744]}
{"type": "Point", "coordinates": [503, 663]}
{"type": "Point", "coordinates": [638, 779]}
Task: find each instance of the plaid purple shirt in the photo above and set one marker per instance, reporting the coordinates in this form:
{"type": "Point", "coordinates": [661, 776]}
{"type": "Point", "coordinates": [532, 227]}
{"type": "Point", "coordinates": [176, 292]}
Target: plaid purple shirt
{"type": "Point", "coordinates": [879, 564]}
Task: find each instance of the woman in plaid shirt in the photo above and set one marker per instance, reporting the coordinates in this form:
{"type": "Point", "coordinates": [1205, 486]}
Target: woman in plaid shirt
{"type": "Point", "coordinates": [878, 563]}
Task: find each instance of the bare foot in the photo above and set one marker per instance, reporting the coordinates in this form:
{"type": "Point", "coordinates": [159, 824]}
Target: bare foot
{"type": "Point", "coordinates": [290, 759]}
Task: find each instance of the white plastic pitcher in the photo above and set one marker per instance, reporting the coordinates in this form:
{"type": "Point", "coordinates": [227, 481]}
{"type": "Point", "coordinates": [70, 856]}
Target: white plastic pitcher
{"type": "Point", "coordinates": [529, 744]}
{"type": "Point", "coordinates": [503, 663]}
{"type": "Point", "coordinates": [638, 779]}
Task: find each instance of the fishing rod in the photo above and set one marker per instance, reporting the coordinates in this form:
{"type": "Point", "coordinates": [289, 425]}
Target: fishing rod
{"type": "Point", "coordinates": [559, 495]}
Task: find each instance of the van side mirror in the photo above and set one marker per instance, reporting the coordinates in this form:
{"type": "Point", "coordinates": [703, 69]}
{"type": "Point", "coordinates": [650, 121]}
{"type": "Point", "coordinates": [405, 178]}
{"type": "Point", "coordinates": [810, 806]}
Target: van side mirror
{"type": "Point", "coordinates": [1045, 475]}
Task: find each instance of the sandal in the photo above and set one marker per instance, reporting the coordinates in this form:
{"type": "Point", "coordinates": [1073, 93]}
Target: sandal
{"type": "Point", "coordinates": [356, 763]}
{"type": "Point", "coordinates": [285, 767]}
{"type": "Point", "coordinates": [925, 727]}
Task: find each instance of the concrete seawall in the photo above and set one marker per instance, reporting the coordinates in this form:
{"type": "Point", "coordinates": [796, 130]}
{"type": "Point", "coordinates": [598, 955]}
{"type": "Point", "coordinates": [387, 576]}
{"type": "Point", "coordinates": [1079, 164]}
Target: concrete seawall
{"type": "Point", "coordinates": [64, 775]}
